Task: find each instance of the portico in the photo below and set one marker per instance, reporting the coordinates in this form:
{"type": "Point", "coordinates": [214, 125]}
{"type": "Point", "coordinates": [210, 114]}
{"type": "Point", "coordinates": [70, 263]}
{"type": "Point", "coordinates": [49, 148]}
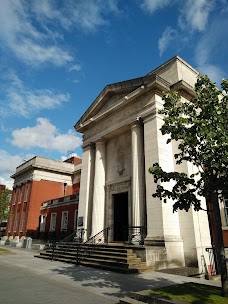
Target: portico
{"type": "Point", "coordinates": [122, 139]}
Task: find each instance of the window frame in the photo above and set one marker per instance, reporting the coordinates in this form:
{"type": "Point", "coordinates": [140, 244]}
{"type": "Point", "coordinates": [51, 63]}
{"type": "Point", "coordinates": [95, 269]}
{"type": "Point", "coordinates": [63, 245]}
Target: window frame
{"type": "Point", "coordinates": [64, 222]}
{"type": "Point", "coordinates": [75, 219]}
{"type": "Point", "coordinates": [43, 218]}
{"type": "Point", "coordinates": [53, 223]}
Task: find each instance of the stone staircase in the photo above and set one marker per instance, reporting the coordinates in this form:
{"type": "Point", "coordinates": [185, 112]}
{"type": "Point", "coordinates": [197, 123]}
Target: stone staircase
{"type": "Point", "coordinates": [116, 258]}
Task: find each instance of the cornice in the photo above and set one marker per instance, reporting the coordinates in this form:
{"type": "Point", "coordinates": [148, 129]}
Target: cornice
{"type": "Point", "coordinates": [157, 86]}
{"type": "Point", "coordinates": [184, 88]}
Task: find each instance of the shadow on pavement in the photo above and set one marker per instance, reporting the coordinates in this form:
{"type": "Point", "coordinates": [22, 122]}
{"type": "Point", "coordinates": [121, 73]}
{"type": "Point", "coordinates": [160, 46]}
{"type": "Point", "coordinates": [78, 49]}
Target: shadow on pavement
{"type": "Point", "coordinates": [112, 284]}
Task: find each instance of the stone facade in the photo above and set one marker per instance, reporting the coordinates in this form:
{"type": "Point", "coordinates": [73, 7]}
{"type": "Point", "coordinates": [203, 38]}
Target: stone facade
{"type": "Point", "coordinates": [122, 139]}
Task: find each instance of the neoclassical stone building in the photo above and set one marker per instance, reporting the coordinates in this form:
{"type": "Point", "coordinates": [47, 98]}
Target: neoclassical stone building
{"type": "Point", "coordinates": [122, 139]}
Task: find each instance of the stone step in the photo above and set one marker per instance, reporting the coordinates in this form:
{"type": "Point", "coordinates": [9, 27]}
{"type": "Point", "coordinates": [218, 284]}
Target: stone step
{"type": "Point", "coordinates": [123, 263]}
{"type": "Point", "coordinates": [125, 258]}
{"type": "Point", "coordinates": [98, 248]}
{"type": "Point", "coordinates": [127, 300]}
{"type": "Point", "coordinates": [122, 258]}
{"type": "Point", "coordinates": [114, 258]}
{"type": "Point", "coordinates": [94, 265]}
{"type": "Point", "coordinates": [102, 253]}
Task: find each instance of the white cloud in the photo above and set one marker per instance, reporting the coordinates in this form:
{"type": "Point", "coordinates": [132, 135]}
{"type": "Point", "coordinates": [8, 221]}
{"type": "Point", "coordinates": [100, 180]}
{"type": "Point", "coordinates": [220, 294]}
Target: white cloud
{"type": "Point", "coordinates": [28, 42]}
{"type": "Point", "coordinates": [168, 35]}
{"type": "Point", "coordinates": [76, 67]}
{"type": "Point", "coordinates": [8, 164]}
{"type": "Point", "coordinates": [193, 17]}
{"type": "Point", "coordinates": [214, 72]}
{"type": "Point", "coordinates": [31, 30]}
{"type": "Point", "coordinates": [209, 47]}
{"type": "Point", "coordinates": [34, 53]}
{"type": "Point", "coordinates": [152, 5]}
{"type": "Point", "coordinates": [75, 81]}
{"type": "Point", "coordinates": [63, 157]}
{"type": "Point", "coordinates": [87, 14]}
{"type": "Point", "coordinates": [195, 14]}
{"type": "Point", "coordinates": [23, 101]}
{"type": "Point", "coordinates": [45, 135]}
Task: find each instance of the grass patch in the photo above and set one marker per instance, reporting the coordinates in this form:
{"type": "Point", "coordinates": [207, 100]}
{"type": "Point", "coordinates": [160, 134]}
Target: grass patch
{"type": "Point", "coordinates": [192, 293]}
{"type": "Point", "coordinates": [4, 251]}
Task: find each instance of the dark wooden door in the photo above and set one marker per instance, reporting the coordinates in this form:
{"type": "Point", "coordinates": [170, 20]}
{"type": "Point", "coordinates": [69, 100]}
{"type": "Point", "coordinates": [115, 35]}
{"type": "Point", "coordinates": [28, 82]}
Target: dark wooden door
{"type": "Point", "coordinates": [120, 216]}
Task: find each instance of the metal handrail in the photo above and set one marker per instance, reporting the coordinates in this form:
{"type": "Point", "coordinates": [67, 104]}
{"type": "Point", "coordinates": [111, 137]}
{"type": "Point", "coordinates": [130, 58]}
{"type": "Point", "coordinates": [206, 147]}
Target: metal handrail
{"type": "Point", "coordinates": [63, 241]}
{"type": "Point", "coordinates": [56, 235]}
{"type": "Point", "coordinates": [86, 248]}
{"type": "Point", "coordinates": [83, 249]}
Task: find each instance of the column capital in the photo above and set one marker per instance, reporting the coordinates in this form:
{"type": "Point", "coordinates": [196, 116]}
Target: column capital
{"type": "Point", "coordinates": [137, 123]}
{"type": "Point", "coordinates": [88, 146]}
{"type": "Point", "coordinates": [99, 141]}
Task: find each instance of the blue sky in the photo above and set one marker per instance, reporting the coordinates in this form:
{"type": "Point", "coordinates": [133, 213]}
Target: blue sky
{"type": "Point", "coordinates": [56, 56]}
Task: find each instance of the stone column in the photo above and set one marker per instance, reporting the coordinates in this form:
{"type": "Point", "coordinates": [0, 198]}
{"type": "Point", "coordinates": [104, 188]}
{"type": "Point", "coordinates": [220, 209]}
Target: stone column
{"type": "Point", "coordinates": [163, 228]}
{"type": "Point", "coordinates": [138, 180]}
{"type": "Point", "coordinates": [99, 189]}
{"type": "Point", "coordinates": [86, 189]}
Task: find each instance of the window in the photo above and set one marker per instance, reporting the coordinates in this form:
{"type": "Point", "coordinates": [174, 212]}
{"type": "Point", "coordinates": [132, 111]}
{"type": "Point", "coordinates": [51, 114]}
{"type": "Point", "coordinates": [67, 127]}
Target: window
{"type": "Point", "coordinates": [15, 196]}
{"type": "Point", "coordinates": [17, 221]}
{"type": "Point", "coordinates": [53, 221]}
{"type": "Point", "coordinates": [27, 191]}
{"type": "Point", "coordinates": [225, 202]}
{"type": "Point", "coordinates": [75, 219]}
{"type": "Point", "coordinates": [23, 220]}
{"type": "Point", "coordinates": [11, 222]}
{"type": "Point", "coordinates": [42, 222]}
{"type": "Point", "coordinates": [64, 221]}
{"type": "Point", "coordinates": [22, 193]}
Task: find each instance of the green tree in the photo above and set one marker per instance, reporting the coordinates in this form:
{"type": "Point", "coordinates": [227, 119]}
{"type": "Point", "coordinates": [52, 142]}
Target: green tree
{"type": "Point", "coordinates": [200, 127]}
{"type": "Point", "coordinates": [4, 204]}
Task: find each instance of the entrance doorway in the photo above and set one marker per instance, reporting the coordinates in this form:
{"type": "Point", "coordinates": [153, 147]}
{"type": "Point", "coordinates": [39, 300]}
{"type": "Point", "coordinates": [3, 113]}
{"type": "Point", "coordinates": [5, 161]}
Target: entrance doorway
{"type": "Point", "coordinates": [120, 216]}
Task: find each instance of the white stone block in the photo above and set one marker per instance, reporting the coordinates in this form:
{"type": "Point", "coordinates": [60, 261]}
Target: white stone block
{"type": "Point", "coordinates": [38, 246]}
{"type": "Point", "coordinates": [16, 244]}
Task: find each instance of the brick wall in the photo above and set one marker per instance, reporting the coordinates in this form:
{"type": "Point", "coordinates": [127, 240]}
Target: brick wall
{"type": "Point", "coordinates": [39, 191]}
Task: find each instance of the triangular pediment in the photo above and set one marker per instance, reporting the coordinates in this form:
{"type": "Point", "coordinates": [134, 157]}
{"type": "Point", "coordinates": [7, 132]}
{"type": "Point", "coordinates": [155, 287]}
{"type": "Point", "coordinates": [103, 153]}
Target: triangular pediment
{"type": "Point", "coordinates": [112, 95]}
{"type": "Point", "coordinates": [109, 99]}
{"type": "Point", "coordinates": [175, 73]}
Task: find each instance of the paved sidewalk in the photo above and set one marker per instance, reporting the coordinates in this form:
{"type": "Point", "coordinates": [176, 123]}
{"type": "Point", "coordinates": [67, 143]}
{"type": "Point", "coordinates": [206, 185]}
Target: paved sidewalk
{"type": "Point", "coordinates": [42, 281]}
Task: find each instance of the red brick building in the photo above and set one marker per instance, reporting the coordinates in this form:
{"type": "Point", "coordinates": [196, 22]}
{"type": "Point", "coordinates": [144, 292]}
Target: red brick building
{"type": "Point", "coordinates": [35, 181]}
{"type": "Point", "coordinates": [58, 217]}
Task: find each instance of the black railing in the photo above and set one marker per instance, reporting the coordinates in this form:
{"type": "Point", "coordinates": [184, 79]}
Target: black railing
{"type": "Point", "coordinates": [85, 249]}
{"type": "Point", "coordinates": [53, 236]}
{"type": "Point", "coordinates": [76, 238]}
{"type": "Point", "coordinates": [135, 235]}
{"type": "Point", "coordinates": [56, 245]}
{"type": "Point", "coordinates": [213, 268]}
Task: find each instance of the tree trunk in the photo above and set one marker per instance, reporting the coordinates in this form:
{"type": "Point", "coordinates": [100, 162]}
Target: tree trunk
{"type": "Point", "coordinates": [220, 246]}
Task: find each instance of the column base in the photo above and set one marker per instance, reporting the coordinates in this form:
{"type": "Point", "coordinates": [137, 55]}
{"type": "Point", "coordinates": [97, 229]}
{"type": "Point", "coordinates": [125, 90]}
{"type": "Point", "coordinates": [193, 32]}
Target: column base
{"type": "Point", "coordinates": [165, 252]}
{"type": "Point", "coordinates": [152, 241]}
